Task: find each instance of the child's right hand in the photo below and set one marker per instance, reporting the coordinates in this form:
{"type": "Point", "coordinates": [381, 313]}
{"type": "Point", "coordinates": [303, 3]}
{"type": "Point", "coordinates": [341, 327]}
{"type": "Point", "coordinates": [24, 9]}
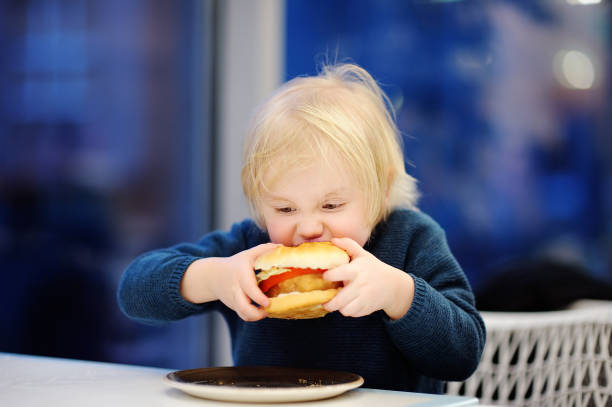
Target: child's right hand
{"type": "Point", "coordinates": [230, 280]}
{"type": "Point", "coordinates": [237, 285]}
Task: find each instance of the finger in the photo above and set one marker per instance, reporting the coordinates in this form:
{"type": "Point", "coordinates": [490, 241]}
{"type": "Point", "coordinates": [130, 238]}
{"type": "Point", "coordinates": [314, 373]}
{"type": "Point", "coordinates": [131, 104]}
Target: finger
{"type": "Point", "coordinates": [349, 245]}
{"type": "Point", "coordinates": [258, 296]}
{"type": "Point", "coordinates": [248, 281]}
{"type": "Point", "coordinates": [248, 284]}
{"type": "Point", "coordinates": [246, 310]}
{"type": "Point", "coordinates": [251, 316]}
{"type": "Point", "coordinates": [345, 296]}
{"type": "Point", "coordinates": [354, 309]}
{"type": "Point", "coordinates": [340, 273]}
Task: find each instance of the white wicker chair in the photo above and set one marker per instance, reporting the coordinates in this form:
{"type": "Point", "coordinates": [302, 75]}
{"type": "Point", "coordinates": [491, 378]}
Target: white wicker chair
{"type": "Point", "coordinates": [556, 358]}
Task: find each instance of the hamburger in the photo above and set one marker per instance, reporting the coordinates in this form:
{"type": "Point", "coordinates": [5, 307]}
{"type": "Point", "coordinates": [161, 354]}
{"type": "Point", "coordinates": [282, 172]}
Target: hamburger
{"type": "Point", "coordinates": [292, 277]}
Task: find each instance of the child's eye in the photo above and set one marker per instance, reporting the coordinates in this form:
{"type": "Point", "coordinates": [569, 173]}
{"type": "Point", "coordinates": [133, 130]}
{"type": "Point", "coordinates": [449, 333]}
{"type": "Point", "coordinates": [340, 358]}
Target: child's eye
{"type": "Point", "coordinates": [285, 210]}
{"type": "Point", "coordinates": [332, 206]}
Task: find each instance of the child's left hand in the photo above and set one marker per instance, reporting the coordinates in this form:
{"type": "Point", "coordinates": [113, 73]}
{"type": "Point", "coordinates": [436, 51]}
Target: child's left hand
{"type": "Point", "coordinates": [369, 284]}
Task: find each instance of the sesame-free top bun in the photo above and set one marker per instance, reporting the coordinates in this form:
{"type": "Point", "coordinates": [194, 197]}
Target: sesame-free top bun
{"type": "Point", "coordinates": [314, 255]}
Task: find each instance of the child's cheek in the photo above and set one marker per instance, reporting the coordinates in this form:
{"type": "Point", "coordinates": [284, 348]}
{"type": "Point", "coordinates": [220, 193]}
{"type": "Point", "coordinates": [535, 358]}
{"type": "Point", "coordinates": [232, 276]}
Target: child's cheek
{"type": "Point", "coordinates": [279, 233]}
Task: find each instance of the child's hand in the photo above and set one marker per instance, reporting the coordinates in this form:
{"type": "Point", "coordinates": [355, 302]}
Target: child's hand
{"type": "Point", "coordinates": [369, 284]}
{"type": "Point", "coordinates": [237, 285]}
{"type": "Point", "coordinates": [228, 279]}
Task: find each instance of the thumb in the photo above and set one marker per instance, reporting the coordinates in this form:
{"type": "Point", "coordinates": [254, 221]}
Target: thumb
{"type": "Point", "coordinates": [349, 245]}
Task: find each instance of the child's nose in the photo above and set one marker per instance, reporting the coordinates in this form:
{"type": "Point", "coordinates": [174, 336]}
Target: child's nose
{"type": "Point", "coordinates": [310, 229]}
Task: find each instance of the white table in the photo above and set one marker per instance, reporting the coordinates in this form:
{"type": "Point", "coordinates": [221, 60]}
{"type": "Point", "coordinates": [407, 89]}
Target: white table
{"type": "Point", "coordinates": [40, 381]}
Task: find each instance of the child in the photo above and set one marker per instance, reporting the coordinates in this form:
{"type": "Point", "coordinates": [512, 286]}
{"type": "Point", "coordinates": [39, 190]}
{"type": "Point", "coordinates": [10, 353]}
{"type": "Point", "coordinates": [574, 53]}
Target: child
{"type": "Point", "coordinates": [323, 162]}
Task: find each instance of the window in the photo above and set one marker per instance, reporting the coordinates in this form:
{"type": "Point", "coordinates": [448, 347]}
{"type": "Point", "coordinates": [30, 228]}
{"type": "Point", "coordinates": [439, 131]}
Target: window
{"type": "Point", "coordinates": [502, 105]}
{"type": "Point", "coordinates": [104, 154]}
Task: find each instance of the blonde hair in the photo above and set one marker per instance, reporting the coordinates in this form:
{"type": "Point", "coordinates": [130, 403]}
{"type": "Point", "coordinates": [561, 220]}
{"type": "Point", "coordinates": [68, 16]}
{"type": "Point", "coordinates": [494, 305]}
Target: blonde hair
{"type": "Point", "coordinates": [339, 114]}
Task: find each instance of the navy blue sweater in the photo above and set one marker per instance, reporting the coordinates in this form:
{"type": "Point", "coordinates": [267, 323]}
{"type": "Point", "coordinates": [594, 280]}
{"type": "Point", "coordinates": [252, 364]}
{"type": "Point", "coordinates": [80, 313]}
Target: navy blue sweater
{"type": "Point", "coordinates": [440, 338]}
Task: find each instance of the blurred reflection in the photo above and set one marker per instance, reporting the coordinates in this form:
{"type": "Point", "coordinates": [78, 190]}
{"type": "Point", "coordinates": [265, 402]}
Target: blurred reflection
{"type": "Point", "coordinates": [574, 69]}
{"type": "Point", "coordinates": [503, 106]}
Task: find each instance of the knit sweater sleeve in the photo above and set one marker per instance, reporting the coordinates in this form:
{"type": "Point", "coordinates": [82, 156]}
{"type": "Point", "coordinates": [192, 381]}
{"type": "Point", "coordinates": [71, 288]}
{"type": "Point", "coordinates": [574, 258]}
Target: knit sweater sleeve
{"type": "Point", "coordinates": [149, 289]}
{"type": "Point", "coordinates": [442, 334]}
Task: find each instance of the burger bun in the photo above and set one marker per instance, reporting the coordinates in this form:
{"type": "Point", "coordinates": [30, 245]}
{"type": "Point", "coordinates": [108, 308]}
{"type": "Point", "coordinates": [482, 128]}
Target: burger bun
{"type": "Point", "coordinates": [313, 255]}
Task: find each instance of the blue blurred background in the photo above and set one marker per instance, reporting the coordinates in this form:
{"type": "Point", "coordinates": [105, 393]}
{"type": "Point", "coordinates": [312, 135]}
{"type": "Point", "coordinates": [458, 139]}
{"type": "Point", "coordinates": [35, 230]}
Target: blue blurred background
{"type": "Point", "coordinates": [109, 124]}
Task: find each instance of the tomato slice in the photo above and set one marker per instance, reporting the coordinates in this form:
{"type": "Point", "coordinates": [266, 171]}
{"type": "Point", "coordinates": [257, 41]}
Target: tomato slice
{"type": "Point", "coordinates": [279, 278]}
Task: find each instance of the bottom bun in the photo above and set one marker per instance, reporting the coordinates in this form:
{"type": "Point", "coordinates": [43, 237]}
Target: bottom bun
{"type": "Point", "coordinates": [300, 305]}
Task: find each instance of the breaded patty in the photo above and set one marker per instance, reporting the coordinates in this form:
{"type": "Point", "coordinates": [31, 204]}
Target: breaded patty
{"type": "Point", "coordinates": [305, 283]}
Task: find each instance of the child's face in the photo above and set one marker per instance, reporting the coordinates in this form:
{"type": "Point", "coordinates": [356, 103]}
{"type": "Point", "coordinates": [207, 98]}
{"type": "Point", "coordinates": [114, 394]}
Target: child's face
{"type": "Point", "coordinates": [315, 204]}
